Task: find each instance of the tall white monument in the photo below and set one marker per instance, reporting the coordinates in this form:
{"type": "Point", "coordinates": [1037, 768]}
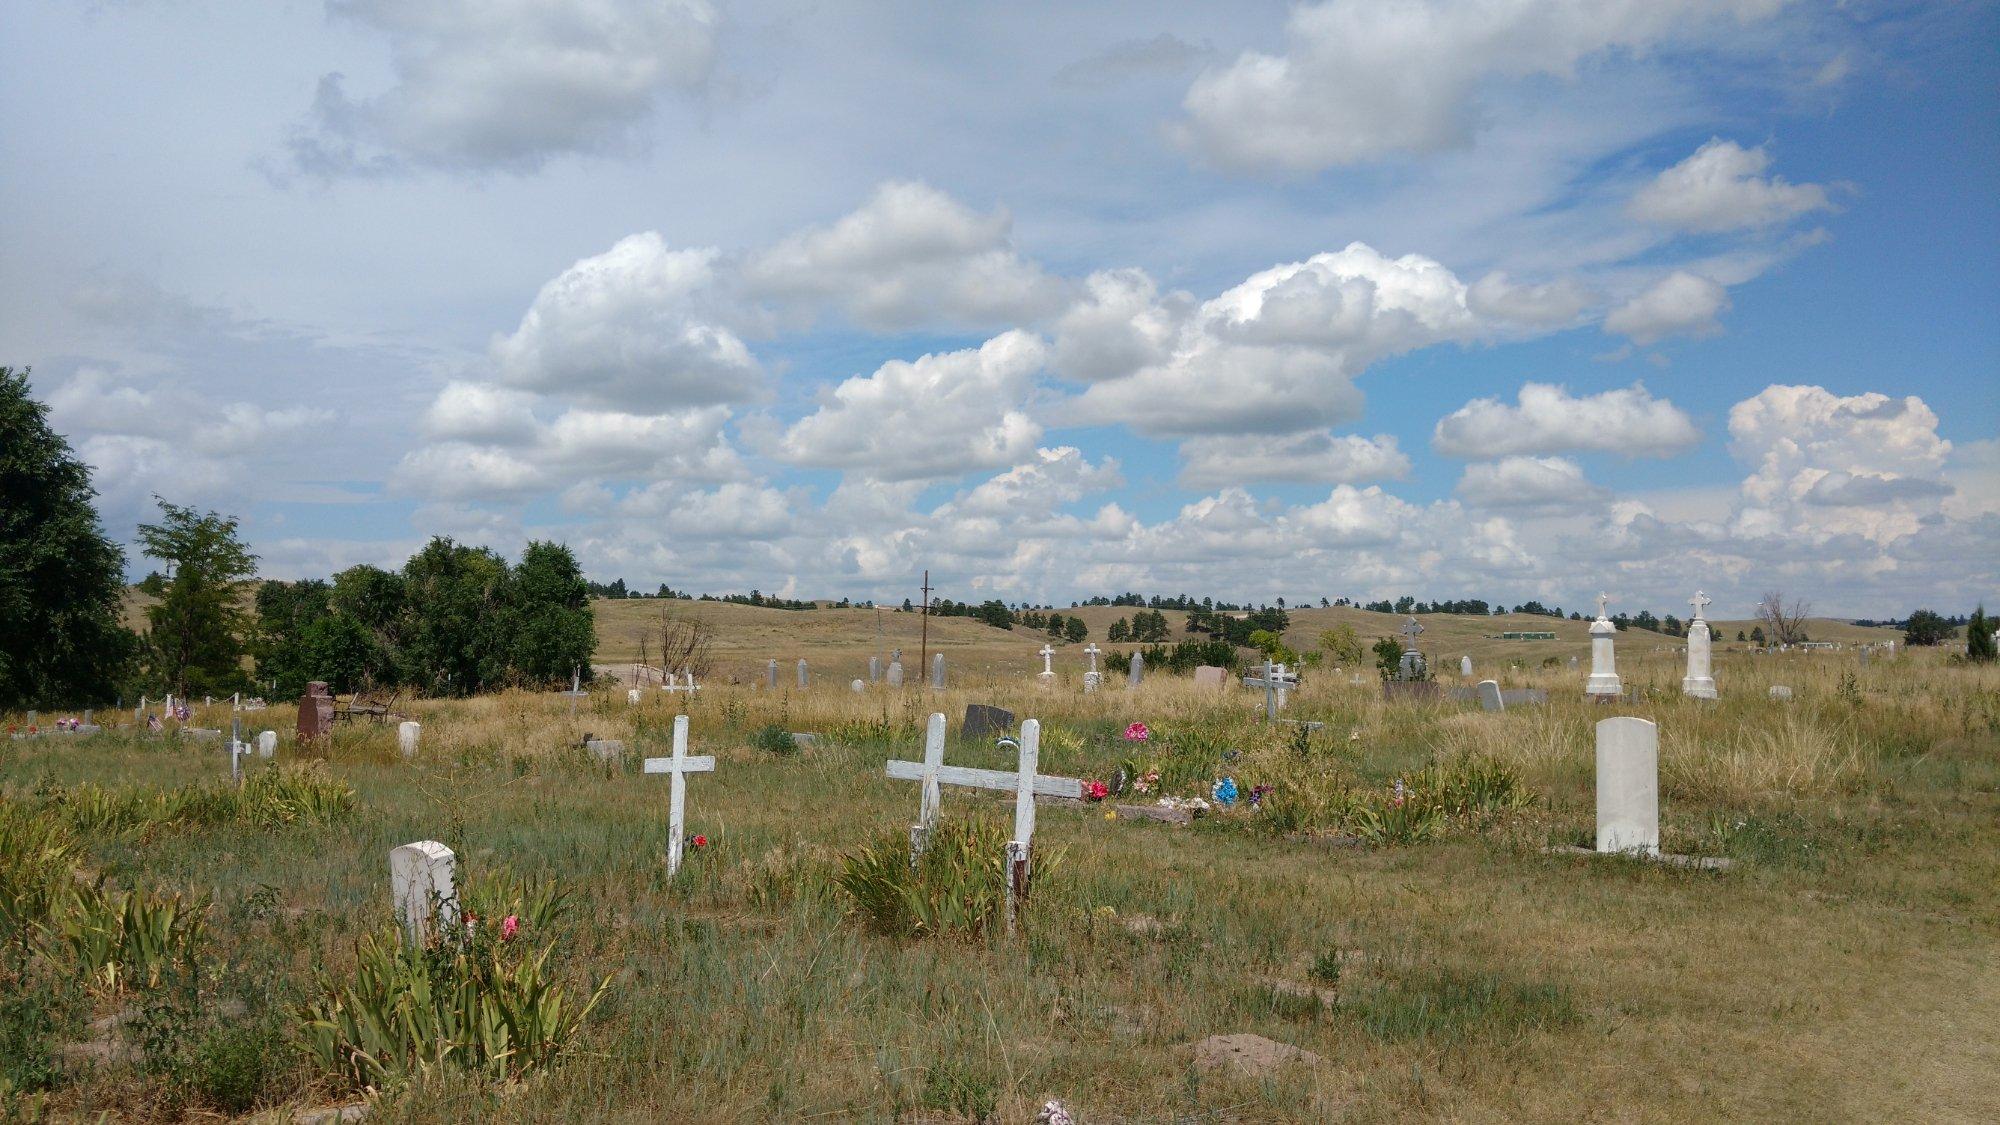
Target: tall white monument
{"type": "Point", "coordinates": [1699, 682]}
{"type": "Point", "coordinates": [1091, 678]}
{"type": "Point", "coordinates": [1048, 674]}
{"type": "Point", "coordinates": [1603, 662]}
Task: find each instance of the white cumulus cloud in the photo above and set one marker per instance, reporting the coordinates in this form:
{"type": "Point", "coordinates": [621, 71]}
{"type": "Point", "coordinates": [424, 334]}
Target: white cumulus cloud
{"type": "Point", "coordinates": [1361, 79]}
{"type": "Point", "coordinates": [633, 328]}
{"type": "Point", "coordinates": [1313, 457]}
{"type": "Point", "coordinates": [940, 415]}
{"type": "Point", "coordinates": [1546, 418]}
{"type": "Point", "coordinates": [1679, 304]}
{"type": "Point", "coordinates": [505, 84]}
{"type": "Point", "coordinates": [1722, 187]}
{"type": "Point", "coordinates": [1278, 353]}
{"type": "Point", "coordinates": [912, 256]}
{"type": "Point", "coordinates": [1528, 482]}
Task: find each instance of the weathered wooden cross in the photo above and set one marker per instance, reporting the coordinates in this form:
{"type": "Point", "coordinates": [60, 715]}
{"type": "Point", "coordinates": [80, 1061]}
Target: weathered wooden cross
{"type": "Point", "coordinates": [677, 768]}
{"type": "Point", "coordinates": [1025, 783]}
{"type": "Point", "coordinates": [1275, 681]}
{"type": "Point", "coordinates": [575, 691]}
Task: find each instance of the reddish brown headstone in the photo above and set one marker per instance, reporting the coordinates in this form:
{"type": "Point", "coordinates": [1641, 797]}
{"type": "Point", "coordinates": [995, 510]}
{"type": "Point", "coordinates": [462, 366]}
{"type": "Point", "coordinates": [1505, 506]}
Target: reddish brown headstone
{"type": "Point", "coordinates": [315, 712]}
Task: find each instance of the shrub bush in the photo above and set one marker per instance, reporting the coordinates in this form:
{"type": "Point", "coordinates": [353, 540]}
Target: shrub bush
{"type": "Point", "coordinates": [958, 887]}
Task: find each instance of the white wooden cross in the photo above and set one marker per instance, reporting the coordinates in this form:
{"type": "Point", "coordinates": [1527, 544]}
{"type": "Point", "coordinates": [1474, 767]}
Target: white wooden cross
{"type": "Point", "coordinates": [1275, 681]}
{"type": "Point", "coordinates": [1025, 782]}
{"type": "Point", "coordinates": [677, 768]}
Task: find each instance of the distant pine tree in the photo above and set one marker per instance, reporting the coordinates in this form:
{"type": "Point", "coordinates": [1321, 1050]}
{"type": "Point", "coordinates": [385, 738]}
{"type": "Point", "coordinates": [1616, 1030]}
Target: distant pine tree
{"type": "Point", "coordinates": [1979, 646]}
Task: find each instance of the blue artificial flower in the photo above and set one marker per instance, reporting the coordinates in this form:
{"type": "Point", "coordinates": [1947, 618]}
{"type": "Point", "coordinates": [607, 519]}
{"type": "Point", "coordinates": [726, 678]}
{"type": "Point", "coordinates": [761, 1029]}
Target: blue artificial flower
{"type": "Point", "coordinates": [1225, 791]}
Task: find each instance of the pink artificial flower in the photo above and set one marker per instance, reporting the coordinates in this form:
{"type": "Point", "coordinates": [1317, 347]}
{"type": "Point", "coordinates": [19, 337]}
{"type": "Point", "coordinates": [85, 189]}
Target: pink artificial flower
{"type": "Point", "coordinates": [509, 926]}
{"type": "Point", "coordinates": [1137, 732]}
{"type": "Point", "coordinates": [1096, 790]}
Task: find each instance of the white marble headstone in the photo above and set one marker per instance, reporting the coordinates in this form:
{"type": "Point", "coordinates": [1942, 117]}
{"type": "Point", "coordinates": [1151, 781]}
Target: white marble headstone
{"type": "Point", "coordinates": [1465, 666]}
{"type": "Point", "coordinates": [1628, 786]}
{"type": "Point", "coordinates": [1489, 696]}
{"type": "Point", "coordinates": [408, 734]}
{"type": "Point", "coordinates": [423, 878]}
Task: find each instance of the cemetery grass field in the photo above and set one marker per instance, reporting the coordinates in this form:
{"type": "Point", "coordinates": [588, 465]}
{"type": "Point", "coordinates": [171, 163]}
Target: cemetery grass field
{"type": "Point", "coordinates": [1846, 967]}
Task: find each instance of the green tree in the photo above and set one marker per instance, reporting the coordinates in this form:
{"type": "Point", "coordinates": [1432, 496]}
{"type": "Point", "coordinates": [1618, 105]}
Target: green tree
{"type": "Point", "coordinates": [551, 627]}
{"type": "Point", "coordinates": [284, 611]}
{"type": "Point", "coordinates": [1925, 628]}
{"type": "Point", "coordinates": [199, 627]}
{"type": "Point", "coordinates": [1075, 631]}
{"type": "Point", "coordinates": [1979, 646]}
{"type": "Point", "coordinates": [1343, 644]}
{"type": "Point", "coordinates": [1388, 657]}
{"type": "Point", "coordinates": [1056, 626]}
{"type": "Point", "coordinates": [1119, 631]}
{"type": "Point", "coordinates": [452, 632]}
{"type": "Point", "coordinates": [61, 579]}
{"type": "Point", "coordinates": [995, 613]}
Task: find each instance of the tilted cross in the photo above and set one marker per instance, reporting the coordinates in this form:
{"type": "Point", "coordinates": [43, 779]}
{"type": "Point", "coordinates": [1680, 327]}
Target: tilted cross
{"type": "Point", "coordinates": [1275, 681]}
{"type": "Point", "coordinates": [677, 768]}
{"type": "Point", "coordinates": [1025, 783]}
{"type": "Point", "coordinates": [1700, 601]}
{"type": "Point", "coordinates": [1603, 600]}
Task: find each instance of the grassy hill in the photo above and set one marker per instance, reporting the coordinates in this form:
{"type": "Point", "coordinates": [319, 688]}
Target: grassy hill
{"type": "Point", "coordinates": [838, 642]}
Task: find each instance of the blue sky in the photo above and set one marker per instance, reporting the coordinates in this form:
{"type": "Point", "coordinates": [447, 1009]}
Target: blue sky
{"type": "Point", "coordinates": [1269, 301]}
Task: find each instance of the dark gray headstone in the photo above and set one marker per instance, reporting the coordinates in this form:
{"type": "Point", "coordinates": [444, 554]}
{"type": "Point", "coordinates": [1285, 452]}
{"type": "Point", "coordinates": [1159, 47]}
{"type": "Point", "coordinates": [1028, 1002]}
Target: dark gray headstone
{"type": "Point", "coordinates": [982, 721]}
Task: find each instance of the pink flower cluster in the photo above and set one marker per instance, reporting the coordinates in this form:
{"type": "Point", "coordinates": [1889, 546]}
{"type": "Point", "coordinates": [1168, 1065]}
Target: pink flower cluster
{"type": "Point", "coordinates": [1137, 732]}
{"type": "Point", "coordinates": [1095, 791]}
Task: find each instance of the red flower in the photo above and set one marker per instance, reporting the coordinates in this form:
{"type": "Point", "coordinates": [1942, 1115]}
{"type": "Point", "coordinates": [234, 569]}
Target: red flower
{"type": "Point", "coordinates": [699, 841]}
{"type": "Point", "coordinates": [1096, 790]}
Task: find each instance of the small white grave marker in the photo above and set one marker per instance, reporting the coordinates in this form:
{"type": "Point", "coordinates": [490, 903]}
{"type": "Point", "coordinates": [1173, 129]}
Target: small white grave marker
{"type": "Point", "coordinates": [1091, 678]}
{"type": "Point", "coordinates": [677, 768]}
{"type": "Point", "coordinates": [1135, 672]}
{"type": "Point", "coordinates": [1465, 666]}
{"type": "Point", "coordinates": [267, 744]}
{"type": "Point", "coordinates": [1048, 673]}
{"type": "Point", "coordinates": [1628, 786]}
{"type": "Point", "coordinates": [424, 879]}
{"type": "Point", "coordinates": [1489, 696]}
{"type": "Point", "coordinates": [632, 696]}
{"type": "Point", "coordinates": [408, 734]}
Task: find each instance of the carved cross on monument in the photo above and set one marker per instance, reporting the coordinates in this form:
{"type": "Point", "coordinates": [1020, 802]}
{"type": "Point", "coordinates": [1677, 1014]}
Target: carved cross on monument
{"type": "Point", "coordinates": [1603, 601]}
{"type": "Point", "coordinates": [1700, 602]}
{"type": "Point", "coordinates": [1048, 656]}
{"type": "Point", "coordinates": [1092, 653]}
{"type": "Point", "coordinates": [1410, 632]}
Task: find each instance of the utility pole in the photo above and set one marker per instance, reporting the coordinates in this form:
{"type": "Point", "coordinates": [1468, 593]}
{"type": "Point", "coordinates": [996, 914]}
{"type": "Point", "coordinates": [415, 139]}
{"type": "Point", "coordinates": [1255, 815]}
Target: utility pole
{"type": "Point", "coordinates": [924, 651]}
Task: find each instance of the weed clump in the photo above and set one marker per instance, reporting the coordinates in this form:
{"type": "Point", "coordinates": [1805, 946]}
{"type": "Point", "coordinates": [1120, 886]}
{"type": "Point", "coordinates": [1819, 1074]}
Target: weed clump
{"type": "Point", "coordinates": [956, 888]}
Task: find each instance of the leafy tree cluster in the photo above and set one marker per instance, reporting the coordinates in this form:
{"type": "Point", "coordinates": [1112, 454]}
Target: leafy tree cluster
{"type": "Point", "coordinates": [1148, 626]}
{"type": "Point", "coordinates": [1237, 629]}
{"type": "Point", "coordinates": [1182, 658]}
{"type": "Point", "coordinates": [199, 622]}
{"type": "Point", "coordinates": [62, 580]}
{"type": "Point", "coordinates": [1979, 646]}
{"type": "Point", "coordinates": [1925, 628]}
{"type": "Point", "coordinates": [757, 598]}
{"type": "Point", "coordinates": [455, 620]}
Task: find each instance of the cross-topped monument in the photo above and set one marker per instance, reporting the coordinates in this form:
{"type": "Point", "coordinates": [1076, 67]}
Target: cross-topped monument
{"type": "Point", "coordinates": [1603, 603]}
{"type": "Point", "coordinates": [1603, 683]}
{"type": "Point", "coordinates": [1048, 675]}
{"type": "Point", "coordinates": [1699, 683]}
{"type": "Point", "coordinates": [1411, 667]}
{"type": "Point", "coordinates": [677, 768]}
{"type": "Point", "coordinates": [1091, 678]}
